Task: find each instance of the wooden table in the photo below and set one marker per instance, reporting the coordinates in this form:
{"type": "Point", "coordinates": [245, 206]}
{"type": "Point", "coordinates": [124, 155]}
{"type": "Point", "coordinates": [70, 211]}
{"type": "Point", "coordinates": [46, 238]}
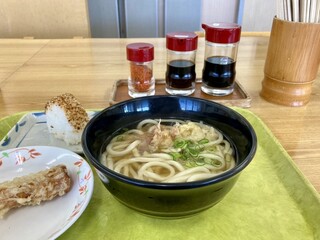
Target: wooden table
{"type": "Point", "coordinates": [33, 71]}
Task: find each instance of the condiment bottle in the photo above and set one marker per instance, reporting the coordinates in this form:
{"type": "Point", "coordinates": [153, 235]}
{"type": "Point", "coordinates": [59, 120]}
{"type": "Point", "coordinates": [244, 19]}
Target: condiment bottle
{"type": "Point", "coordinates": [221, 48]}
{"type": "Point", "coordinates": [181, 56]}
{"type": "Point", "coordinates": [141, 81]}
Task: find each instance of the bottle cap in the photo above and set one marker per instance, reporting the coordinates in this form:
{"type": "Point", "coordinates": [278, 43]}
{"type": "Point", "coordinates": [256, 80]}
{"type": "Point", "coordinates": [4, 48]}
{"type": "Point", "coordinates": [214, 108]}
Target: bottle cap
{"type": "Point", "coordinates": [182, 41]}
{"type": "Point", "coordinates": [140, 52]}
{"type": "Point", "coordinates": [222, 32]}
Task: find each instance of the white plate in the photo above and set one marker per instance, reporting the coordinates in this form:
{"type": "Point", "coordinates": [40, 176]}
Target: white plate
{"type": "Point", "coordinates": [51, 218]}
{"type": "Point", "coordinates": [32, 130]}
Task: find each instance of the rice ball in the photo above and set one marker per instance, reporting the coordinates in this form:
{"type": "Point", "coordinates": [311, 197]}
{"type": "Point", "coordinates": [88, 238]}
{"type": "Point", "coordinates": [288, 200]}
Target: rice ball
{"type": "Point", "coordinates": [66, 118]}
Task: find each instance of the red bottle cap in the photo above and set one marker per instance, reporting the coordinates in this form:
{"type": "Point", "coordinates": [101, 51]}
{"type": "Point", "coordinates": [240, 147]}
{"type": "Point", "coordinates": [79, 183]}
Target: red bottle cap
{"type": "Point", "coordinates": [222, 32]}
{"type": "Point", "coordinates": [140, 52]}
{"type": "Point", "coordinates": [182, 41]}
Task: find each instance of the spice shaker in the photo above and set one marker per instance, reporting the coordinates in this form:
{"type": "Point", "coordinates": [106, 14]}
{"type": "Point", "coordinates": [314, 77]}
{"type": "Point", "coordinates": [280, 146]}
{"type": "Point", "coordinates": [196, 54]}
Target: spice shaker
{"type": "Point", "coordinates": [141, 81]}
{"type": "Point", "coordinates": [181, 56]}
{"type": "Point", "coordinates": [221, 48]}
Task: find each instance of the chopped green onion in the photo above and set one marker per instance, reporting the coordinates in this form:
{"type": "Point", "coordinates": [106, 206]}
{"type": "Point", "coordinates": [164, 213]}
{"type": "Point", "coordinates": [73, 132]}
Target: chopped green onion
{"type": "Point", "coordinates": [120, 138]}
{"type": "Point", "coordinates": [190, 164]}
{"type": "Point", "coordinates": [199, 162]}
{"type": "Point", "coordinates": [193, 152]}
{"type": "Point", "coordinates": [188, 153]}
{"type": "Point", "coordinates": [216, 163]}
{"type": "Point", "coordinates": [203, 141]}
{"type": "Point", "coordinates": [180, 144]}
{"type": "Point", "coordinates": [175, 155]}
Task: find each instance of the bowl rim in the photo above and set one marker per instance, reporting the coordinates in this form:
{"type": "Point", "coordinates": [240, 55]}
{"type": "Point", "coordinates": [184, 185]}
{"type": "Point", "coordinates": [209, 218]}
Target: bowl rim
{"type": "Point", "coordinates": [166, 186]}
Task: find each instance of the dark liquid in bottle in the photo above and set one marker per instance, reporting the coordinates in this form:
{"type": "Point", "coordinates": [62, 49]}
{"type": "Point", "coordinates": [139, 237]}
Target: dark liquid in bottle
{"type": "Point", "coordinates": [219, 72]}
{"type": "Point", "coordinates": [180, 74]}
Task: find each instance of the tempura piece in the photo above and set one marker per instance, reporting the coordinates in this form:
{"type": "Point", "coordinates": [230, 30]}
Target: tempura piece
{"type": "Point", "coordinates": [34, 188]}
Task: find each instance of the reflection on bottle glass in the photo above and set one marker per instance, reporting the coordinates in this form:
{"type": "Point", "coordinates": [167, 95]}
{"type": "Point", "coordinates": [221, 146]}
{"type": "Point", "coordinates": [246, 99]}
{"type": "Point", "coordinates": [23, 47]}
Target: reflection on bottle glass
{"type": "Point", "coordinates": [219, 72]}
{"type": "Point", "coordinates": [180, 74]}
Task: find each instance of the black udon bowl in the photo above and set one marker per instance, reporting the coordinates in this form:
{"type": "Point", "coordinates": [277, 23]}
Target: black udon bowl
{"type": "Point", "coordinates": [168, 200]}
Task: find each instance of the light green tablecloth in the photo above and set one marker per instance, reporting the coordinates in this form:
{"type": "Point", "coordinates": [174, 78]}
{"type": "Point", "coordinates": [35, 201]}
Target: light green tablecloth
{"type": "Point", "coordinates": [271, 200]}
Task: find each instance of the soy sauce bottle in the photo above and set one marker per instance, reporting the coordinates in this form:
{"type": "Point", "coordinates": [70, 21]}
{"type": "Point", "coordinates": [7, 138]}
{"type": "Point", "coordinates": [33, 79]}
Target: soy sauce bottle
{"type": "Point", "coordinates": [181, 56]}
{"type": "Point", "coordinates": [219, 71]}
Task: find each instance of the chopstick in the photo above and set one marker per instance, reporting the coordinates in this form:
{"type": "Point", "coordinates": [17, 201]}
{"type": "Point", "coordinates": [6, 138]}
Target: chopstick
{"type": "Point", "coordinates": [303, 7]}
{"type": "Point", "coordinates": [308, 11]}
{"type": "Point", "coordinates": [299, 10]}
{"type": "Point", "coordinates": [289, 10]}
{"type": "Point", "coordinates": [295, 11]}
{"type": "Point", "coordinates": [280, 9]}
{"type": "Point", "coordinates": [313, 13]}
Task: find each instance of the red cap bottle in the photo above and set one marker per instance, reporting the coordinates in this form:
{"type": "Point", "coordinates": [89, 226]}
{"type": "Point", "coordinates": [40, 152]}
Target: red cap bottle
{"type": "Point", "coordinates": [141, 81]}
{"type": "Point", "coordinates": [222, 32]}
{"type": "Point", "coordinates": [221, 49]}
{"type": "Point", "coordinates": [181, 56]}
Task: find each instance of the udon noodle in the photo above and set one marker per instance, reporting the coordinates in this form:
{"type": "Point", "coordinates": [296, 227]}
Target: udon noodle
{"type": "Point", "coordinates": [169, 151]}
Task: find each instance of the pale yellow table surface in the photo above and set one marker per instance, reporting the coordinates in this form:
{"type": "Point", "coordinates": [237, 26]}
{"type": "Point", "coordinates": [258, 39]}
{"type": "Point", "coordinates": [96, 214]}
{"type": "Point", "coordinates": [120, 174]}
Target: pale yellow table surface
{"type": "Point", "coordinates": [33, 71]}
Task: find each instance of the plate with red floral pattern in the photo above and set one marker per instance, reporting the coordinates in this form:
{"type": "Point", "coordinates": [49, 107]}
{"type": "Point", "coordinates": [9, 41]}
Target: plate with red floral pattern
{"type": "Point", "coordinates": [51, 218]}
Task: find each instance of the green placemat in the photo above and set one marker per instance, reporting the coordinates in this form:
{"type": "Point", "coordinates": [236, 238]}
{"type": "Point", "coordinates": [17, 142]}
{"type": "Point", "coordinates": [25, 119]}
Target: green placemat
{"type": "Point", "coordinates": [8, 122]}
{"type": "Point", "coordinates": [271, 200]}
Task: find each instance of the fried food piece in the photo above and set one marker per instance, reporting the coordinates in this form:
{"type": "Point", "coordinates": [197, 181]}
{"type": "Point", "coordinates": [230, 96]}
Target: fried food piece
{"type": "Point", "coordinates": [34, 188]}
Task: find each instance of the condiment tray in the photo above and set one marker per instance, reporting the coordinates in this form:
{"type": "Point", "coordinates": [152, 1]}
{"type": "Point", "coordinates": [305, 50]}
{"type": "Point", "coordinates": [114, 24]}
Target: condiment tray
{"type": "Point", "coordinates": [239, 97]}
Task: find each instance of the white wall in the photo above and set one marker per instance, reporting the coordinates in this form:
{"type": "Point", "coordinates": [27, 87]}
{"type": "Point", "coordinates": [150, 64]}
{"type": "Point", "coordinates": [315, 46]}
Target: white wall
{"type": "Point", "coordinates": [219, 11]}
{"type": "Point", "coordinates": [257, 14]}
